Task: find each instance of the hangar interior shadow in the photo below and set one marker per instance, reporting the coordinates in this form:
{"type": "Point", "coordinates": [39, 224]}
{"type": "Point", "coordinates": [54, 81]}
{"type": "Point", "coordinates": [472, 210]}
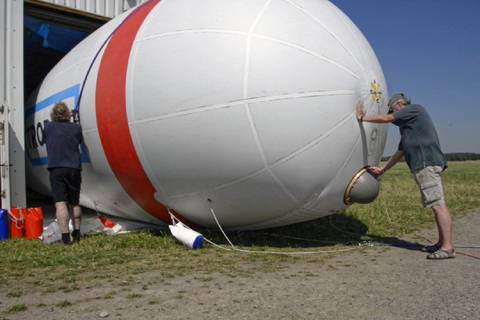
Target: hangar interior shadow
{"type": "Point", "coordinates": [50, 32]}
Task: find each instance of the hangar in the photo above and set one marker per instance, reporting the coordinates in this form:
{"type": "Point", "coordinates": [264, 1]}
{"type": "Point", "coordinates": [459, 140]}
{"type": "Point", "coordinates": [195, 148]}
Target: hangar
{"type": "Point", "coordinates": [35, 35]}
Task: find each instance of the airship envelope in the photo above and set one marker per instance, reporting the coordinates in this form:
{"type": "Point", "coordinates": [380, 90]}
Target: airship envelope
{"type": "Point", "coordinates": [246, 107]}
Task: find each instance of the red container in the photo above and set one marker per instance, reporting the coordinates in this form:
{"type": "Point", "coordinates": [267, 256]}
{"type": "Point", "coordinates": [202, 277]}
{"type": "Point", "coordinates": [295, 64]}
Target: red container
{"type": "Point", "coordinates": [17, 222]}
{"type": "Point", "coordinates": [106, 222]}
{"type": "Point", "coordinates": [34, 223]}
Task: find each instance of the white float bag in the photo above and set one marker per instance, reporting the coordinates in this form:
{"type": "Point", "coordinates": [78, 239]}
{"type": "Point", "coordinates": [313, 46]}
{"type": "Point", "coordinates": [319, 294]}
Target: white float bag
{"type": "Point", "coordinates": [188, 237]}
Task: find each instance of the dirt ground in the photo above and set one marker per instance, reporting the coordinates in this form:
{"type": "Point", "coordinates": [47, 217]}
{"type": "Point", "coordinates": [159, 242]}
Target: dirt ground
{"type": "Point", "coordinates": [380, 282]}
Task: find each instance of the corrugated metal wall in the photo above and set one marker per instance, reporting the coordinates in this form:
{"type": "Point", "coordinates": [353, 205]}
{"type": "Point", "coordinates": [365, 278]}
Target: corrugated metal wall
{"type": "Point", "coordinates": [107, 8]}
{"type": "Point", "coordinates": [12, 146]}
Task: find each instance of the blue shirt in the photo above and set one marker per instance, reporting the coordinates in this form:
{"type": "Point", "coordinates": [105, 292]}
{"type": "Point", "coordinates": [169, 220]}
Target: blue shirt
{"type": "Point", "coordinates": [63, 140]}
{"type": "Point", "coordinates": [419, 139]}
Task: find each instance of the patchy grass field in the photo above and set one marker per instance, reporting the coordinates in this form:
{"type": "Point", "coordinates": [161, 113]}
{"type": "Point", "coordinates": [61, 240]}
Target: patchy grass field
{"type": "Point", "coordinates": [397, 211]}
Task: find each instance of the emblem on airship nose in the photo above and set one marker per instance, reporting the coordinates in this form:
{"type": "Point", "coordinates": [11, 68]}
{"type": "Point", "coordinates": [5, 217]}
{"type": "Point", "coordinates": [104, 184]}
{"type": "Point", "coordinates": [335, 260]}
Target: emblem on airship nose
{"type": "Point", "coordinates": [375, 91]}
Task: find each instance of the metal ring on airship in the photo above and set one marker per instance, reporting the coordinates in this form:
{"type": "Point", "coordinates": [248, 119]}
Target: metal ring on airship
{"type": "Point", "coordinates": [363, 188]}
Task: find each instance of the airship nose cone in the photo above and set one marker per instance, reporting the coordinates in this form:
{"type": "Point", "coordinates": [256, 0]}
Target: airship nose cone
{"type": "Point", "coordinates": [363, 188]}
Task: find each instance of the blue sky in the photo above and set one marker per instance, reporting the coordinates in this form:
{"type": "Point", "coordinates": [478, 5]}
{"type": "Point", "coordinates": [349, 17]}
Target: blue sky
{"type": "Point", "coordinates": [429, 49]}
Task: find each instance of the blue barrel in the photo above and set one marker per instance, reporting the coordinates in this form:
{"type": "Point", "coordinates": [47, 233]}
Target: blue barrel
{"type": "Point", "coordinates": [3, 224]}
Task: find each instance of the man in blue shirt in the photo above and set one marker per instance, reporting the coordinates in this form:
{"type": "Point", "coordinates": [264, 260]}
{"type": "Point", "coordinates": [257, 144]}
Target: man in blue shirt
{"type": "Point", "coordinates": [63, 139]}
{"type": "Point", "coordinates": [420, 146]}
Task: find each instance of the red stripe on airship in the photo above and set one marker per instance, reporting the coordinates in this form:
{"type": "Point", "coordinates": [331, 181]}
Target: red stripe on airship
{"type": "Point", "coordinates": [112, 120]}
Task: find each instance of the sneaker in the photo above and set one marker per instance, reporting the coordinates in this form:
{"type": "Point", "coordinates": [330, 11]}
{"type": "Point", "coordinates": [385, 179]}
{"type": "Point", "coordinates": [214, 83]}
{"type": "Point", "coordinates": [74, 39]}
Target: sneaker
{"type": "Point", "coordinates": [76, 235]}
{"type": "Point", "coordinates": [432, 248]}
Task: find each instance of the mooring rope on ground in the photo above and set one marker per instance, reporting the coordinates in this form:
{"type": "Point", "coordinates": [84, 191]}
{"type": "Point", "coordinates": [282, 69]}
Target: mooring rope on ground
{"type": "Point", "coordinates": [354, 244]}
{"type": "Point", "coordinates": [292, 253]}
{"type": "Point", "coordinates": [456, 251]}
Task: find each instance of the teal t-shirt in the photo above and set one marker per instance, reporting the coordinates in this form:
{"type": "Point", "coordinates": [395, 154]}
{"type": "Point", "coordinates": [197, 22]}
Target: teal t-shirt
{"type": "Point", "coordinates": [419, 139]}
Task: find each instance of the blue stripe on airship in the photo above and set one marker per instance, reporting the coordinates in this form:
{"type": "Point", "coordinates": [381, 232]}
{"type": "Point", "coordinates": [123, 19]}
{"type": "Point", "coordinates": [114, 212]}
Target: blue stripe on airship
{"type": "Point", "coordinates": [57, 97]}
{"type": "Point", "coordinates": [74, 92]}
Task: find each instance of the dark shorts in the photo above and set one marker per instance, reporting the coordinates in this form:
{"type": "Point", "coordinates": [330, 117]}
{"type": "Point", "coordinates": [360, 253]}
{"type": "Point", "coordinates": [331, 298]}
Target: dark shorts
{"type": "Point", "coordinates": [65, 183]}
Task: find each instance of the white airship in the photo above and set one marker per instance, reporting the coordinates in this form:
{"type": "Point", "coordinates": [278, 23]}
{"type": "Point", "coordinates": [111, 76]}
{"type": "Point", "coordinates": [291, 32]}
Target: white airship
{"type": "Point", "coordinates": [246, 107]}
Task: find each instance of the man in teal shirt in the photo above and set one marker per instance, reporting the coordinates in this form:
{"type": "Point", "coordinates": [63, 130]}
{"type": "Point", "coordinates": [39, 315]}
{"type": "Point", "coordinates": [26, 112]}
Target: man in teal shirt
{"type": "Point", "coordinates": [420, 146]}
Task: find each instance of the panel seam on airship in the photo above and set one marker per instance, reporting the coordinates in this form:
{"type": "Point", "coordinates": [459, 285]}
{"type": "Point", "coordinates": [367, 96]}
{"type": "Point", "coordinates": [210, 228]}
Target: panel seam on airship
{"type": "Point", "coordinates": [247, 101]}
{"type": "Point", "coordinates": [85, 157]}
{"type": "Point", "coordinates": [351, 32]}
{"type": "Point", "coordinates": [345, 163]}
{"type": "Point", "coordinates": [187, 31]}
{"type": "Point", "coordinates": [246, 74]}
{"type": "Point", "coordinates": [161, 195]}
{"type": "Point", "coordinates": [221, 186]}
{"type": "Point", "coordinates": [112, 116]}
{"type": "Point", "coordinates": [258, 36]}
{"type": "Point", "coordinates": [313, 53]}
{"type": "Point", "coordinates": [277, 163]}
{"type": "Point", "coordinates": [303, 207]}
{"type": "Point", "coordinates": [326, 29]}
{"type": "Point", "coordinates": [309, 200]}
{"type": "Point", "coordinates": [97, 54]}
{"type": "Point", "coordinates": [312, 143]}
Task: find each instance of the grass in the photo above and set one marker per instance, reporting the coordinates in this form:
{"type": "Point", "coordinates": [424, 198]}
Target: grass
{"type": "Point", "coordinates": [64, 304]}
{"type": "Point", "coordinates": [398, 209]}
{"type": "Point", "coordinates": [110, 295]}
{"type": "Point", "coordinates": [134, 295]}
{"type": "Point", "coordinates": [97, 258]}
{"type": "Point", "coordinates": [17, 308]}
{"type": "Point", "coordinates": [15, 294]}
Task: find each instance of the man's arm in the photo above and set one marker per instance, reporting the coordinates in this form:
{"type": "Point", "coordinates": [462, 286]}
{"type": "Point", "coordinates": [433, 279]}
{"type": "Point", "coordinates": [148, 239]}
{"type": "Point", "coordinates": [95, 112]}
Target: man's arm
{"type": "Point", "coordinates": [386, 118]}
{"type": "Point", "coordinates": [380, 118]}
{"type": "Point", "coordinates": [378, 171]}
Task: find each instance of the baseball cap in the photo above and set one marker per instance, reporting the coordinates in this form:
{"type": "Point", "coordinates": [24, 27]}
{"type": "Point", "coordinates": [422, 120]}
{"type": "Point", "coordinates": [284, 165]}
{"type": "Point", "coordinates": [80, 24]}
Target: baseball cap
{"type": "Point", "coordinates": [395, 98]}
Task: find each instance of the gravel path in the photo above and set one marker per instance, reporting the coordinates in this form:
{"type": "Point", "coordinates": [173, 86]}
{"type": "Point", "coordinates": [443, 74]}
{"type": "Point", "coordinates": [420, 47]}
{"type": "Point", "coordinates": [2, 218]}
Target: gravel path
{"type": "Point", "coordinates": [382, 282]}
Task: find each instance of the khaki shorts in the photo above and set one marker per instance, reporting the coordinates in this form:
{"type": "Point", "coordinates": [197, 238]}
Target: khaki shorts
{"type": "Point", "coordinates": [430, 184]}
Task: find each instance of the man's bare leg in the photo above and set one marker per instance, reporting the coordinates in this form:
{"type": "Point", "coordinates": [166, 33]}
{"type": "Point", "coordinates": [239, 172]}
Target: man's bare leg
{"type": "Point", "coordinates": [62, 219]}
{"type": "Point", "coordinates": [77, 217]}
{"type": "Point", "coordinates": [77, 221]}
{"type": "Point", "coordinates": [444, 225]}
{"type": "Point", "coordinates": [440, 236]}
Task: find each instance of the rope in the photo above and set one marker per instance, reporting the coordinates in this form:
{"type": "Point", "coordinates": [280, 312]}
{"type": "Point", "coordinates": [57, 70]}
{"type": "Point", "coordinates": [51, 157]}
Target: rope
{"type": "Point", "coordinates": [468, 255]}
{"type": "Point", "coordinates": [292, 253]}
{"type": "Point", "coordinates": [280, 252]}
{"type": "Point", "coordinates": [355, 244]}
{"type": "Point", "coordinates": [458, 252]}
{"type": "Point", "coordinates": [303, 239]}
{"type": "Point", "coordinates": [285, 253]}
{"type": "Point", "coordinates": [220, 227]}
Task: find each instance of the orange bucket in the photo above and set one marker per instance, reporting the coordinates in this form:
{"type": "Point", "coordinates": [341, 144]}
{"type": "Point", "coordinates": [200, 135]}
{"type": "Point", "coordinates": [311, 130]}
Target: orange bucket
{"type": "Point", "coordinates": [34, 223]}
{"type": "Point", "coordinates": [17, 222]}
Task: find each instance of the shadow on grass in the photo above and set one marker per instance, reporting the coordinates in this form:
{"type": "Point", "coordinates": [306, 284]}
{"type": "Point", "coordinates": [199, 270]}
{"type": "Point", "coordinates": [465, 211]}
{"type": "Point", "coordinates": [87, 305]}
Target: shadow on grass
{"type": "Point", "coordinates": [336, 229]}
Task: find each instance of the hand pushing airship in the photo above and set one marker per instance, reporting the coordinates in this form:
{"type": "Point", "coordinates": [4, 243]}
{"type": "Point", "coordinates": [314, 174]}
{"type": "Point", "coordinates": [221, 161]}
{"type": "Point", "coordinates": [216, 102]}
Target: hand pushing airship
{"type": "Point", "coordinates": [246, 107]}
